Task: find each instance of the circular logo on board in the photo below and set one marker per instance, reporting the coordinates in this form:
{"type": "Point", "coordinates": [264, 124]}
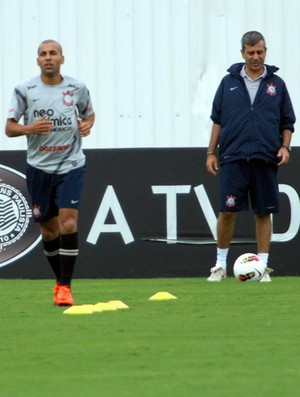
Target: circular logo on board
{"type": "Point", "coordinates": [18, 233]}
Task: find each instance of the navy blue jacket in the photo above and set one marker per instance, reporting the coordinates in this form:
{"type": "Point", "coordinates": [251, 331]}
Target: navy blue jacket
{"type": "Point", "coordinates": [251, 131]}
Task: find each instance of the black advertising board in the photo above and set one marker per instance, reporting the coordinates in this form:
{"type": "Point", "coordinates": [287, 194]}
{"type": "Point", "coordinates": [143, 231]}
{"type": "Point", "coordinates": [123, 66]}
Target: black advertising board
{"type": "Point", "coordinates": [144, 213]}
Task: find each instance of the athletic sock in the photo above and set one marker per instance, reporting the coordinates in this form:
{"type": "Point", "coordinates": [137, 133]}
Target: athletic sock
{"type": "Point", "coordinates": [222, 257]}
{"type": "Point", "coordinates": [68, 255]}
{"type": "Point", "coordinates": [51, 250]}
{"type": "Point", "coordinates": [264, 257]}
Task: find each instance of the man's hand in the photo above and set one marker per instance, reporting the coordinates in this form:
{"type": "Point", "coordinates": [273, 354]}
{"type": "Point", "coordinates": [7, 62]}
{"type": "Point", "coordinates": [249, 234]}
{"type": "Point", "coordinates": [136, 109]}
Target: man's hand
{"type": "Point", "coordinates": [284, 156]}
{"type": "Point", "coordinates": [84, 128]}
{"type": "Point", "coordinates": [41, 126]}
{"type": "Point", "coordinates": [212, 165]}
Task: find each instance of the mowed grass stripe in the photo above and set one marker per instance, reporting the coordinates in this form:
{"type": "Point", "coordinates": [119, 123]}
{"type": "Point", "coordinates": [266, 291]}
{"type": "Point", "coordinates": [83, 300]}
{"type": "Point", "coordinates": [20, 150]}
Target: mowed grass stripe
{"type": "Point", "coordinates": [227, 339]}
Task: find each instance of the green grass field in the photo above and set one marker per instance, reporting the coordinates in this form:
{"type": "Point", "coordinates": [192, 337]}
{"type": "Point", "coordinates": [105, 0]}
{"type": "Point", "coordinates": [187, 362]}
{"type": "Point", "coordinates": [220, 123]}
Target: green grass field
{"type": "Point", "coordinates": [228, 339]}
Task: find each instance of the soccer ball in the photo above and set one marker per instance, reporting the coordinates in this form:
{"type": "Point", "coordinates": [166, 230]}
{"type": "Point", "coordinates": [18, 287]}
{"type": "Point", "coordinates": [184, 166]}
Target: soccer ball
{"type": "Point", "coordinates": [249, 267]}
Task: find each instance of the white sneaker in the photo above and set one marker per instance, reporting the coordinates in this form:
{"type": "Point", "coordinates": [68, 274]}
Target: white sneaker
{"type": "Point", "coordinates": [217, 274]}
{"type": "Point", "coordinates": [266, 276]}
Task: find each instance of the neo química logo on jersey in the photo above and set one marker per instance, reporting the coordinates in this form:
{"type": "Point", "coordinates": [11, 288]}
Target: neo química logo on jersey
{"type": "Point", "coordinates": [18, 233]}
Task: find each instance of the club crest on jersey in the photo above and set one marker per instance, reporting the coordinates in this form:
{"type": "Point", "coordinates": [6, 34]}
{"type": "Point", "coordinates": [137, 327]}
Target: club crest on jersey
{"type": "Point", "coordinates": [68, 98]}
{"type": "Point", "coordinates": [230, 201]}
{"type": "Point", "coordinates": [36, 211]}
{"type": "Point", "coordinates": [271, 89]}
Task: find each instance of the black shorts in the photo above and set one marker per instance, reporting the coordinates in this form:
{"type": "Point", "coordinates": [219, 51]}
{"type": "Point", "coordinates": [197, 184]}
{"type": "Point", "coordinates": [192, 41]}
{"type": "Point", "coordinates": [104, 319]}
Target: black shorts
{"type": "Point", "coordinates": [50, 192]}
{"type": "Point", "coordinates": [254, 180]}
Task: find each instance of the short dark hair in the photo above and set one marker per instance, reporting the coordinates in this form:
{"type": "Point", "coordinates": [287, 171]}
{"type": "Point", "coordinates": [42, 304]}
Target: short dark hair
{"type": "Point", "coordinates": [251, 38]}
{"type": "Point", "coordinates": [51, 41]}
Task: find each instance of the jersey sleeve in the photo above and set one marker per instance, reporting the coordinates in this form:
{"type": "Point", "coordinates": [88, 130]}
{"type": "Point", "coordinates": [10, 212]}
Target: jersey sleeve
{"type": "Point", "coordinates": [288, 117]}
{"type": "Point", "coordinates": [18, 104]}
{"type": "Point", "coordinates": [84, 104]}
{"type": "Point", "coordinates": [217, 105]}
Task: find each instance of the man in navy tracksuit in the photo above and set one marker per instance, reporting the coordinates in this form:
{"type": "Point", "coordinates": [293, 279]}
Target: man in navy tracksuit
{"type": "Point", "coordinates": [253, 122]}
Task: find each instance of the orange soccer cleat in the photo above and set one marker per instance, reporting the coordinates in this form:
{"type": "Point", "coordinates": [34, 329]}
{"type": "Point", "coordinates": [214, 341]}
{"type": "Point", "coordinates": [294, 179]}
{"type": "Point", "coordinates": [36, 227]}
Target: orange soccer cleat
{"type": "Point", "coordinates": [55, 290]}
{"type": "Point", "coordinates": [64, 296]}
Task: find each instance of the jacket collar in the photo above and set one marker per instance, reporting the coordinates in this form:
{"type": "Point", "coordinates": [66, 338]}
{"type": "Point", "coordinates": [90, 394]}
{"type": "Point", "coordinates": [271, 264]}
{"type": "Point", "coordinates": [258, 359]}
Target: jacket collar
{"type": "Point", "coordinates": [236, 68]}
